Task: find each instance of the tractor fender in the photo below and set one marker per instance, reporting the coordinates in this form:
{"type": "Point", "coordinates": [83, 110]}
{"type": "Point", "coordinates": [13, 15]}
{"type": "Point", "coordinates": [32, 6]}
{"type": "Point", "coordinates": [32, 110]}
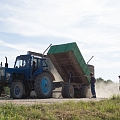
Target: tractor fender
{"type": "Point", "coordinates": [53, 78]}
{"type": "Point", "coordinates": [39, 72]}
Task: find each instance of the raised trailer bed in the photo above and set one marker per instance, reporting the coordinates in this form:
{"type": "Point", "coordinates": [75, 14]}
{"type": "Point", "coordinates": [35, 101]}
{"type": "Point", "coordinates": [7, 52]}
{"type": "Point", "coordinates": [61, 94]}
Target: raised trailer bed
{"type": "Point", "coordinates": [72, 67]}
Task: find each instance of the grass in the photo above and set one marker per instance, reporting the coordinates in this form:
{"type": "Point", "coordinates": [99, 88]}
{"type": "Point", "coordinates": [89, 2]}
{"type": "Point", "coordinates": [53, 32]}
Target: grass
{"type": "Point", "coordinates": [102, 110]}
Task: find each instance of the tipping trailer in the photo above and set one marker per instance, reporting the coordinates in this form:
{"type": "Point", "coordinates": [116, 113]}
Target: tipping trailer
{"type": "Point", "coordinates": [72, 67]}
{"type": "Point", "coordinates": [31, 72]}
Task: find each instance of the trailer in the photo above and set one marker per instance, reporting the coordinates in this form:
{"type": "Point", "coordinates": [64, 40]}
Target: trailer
{"type": "Point", "coordinates": [72, 67]}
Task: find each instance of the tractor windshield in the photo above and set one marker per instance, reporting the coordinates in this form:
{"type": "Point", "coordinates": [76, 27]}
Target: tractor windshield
{"type": "Point", "coordinates": [22, 61]}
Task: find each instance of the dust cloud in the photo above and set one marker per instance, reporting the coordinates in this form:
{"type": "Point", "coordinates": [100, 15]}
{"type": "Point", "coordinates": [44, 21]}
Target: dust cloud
{"type": "Point", "coordinates": [106, 90]}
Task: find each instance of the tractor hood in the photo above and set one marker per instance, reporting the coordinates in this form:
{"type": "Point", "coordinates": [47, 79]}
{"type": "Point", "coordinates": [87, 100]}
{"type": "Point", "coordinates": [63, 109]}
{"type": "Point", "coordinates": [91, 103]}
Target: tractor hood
{"type": "Point", "coordinates": [6, 74]}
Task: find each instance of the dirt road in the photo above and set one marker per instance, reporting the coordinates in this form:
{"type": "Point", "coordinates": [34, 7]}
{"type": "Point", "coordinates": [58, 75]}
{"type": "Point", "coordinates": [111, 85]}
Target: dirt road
{"type": "Point", "coordinates": [43, 101]}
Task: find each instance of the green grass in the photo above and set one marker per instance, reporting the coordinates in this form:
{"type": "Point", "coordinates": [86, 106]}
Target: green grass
{"type": "Point", "coordinates": [102, 110]}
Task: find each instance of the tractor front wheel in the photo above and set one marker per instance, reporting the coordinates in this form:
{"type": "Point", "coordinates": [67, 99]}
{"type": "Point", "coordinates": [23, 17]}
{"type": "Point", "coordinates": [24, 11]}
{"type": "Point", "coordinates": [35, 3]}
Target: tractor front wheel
{"type": "Point", "coordinates": [17, 90]}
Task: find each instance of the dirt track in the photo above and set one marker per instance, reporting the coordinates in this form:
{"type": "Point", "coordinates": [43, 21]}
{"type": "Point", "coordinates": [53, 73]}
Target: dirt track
{"type": "Point", "coordinates": [56, 99]}
{"type": "Point", "coordinates": [43, 101]}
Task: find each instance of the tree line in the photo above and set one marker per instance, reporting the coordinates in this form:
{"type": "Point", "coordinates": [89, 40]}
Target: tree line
{"type": "Point", "coordinates": [98, 80]}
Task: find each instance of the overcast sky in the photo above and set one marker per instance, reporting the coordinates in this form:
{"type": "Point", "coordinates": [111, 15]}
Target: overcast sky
{"type": "Point", "coordinates": [34, 24]}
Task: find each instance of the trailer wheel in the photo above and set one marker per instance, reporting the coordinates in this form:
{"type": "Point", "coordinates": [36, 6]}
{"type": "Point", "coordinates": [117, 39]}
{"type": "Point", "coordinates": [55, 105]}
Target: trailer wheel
{"type": "Point", "coordinates": [76, 93]}
{"type": "Point", "coordinates": [67, 91]}
{"type": "Point", "coordinates": [17, 90]}
{"type": "Point", "coordinates": [82, 93]}
{"type": "Point", "coordinates": [43, 85]}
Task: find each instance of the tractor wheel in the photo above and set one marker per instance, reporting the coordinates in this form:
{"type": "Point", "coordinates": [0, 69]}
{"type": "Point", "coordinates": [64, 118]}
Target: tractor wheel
{"type": "Point", "coordinates": [17, 90]}
{"type": "Point", "coordinates": [68, 91]}
{"type": "Point", "coordinates": [43, 85]}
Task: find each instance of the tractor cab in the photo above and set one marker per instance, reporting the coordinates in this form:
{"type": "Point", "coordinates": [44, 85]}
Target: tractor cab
{"type": "Point", "coordinates": [31, 64]}
{"type": "Point", "coordinates": [29, 73]}
{"type": "Point", "coordinates": [23, 61]}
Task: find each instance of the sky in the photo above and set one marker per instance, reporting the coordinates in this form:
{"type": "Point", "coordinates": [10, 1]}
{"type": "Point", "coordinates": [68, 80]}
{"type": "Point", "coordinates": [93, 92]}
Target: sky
{"type": "Point", "coordinates": [32, 25]}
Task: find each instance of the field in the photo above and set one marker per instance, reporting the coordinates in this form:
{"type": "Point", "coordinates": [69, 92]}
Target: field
{"type": "Point", "coordinates": [108, 109]}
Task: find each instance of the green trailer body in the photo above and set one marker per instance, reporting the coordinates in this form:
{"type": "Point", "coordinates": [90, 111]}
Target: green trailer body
{"type": "Point", "coordinates": [68, 60]}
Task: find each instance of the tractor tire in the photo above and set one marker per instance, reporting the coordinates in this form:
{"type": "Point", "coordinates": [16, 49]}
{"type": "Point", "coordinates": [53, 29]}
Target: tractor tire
{"type": "Point", "coordinates": [67, 91]}
{"type": "Point", "coordinates": [17, 90]}
{"type": "Point", "coordinates": [43, 85]}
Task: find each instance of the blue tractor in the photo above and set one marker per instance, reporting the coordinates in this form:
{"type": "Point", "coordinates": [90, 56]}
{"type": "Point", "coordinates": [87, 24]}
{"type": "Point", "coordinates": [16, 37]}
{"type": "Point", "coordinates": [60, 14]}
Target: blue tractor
{"type": "Point", "coordinates": [30, 73]}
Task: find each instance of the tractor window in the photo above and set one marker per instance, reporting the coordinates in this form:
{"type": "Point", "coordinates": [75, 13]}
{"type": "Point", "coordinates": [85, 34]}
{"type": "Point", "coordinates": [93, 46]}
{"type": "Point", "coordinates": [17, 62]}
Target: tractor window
{"type": "Point", "coordinates": [45, 67]}
{"type": "Point", "coordinates": [44, 64]}
{"type": "Point", "coordinates": [22, 61]}
{"type": "Point", "coordinates": [34, 63]}
{"type": "Point", "coordinates": [18, 64]}
{"type": "Point", "coordinates": [39, 63]}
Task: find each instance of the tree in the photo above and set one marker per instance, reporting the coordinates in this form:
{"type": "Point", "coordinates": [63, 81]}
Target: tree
{"type": "Point", "coordinates": [104, 81]}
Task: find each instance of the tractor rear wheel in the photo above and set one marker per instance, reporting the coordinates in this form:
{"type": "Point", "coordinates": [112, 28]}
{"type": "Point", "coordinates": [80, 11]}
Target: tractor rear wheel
{"type": "Point", "coordinates": [43, 85]}
{"type": "Point", "coordinates": [67, 91]}
{"type": "Point", "coordinates": [17, 90]}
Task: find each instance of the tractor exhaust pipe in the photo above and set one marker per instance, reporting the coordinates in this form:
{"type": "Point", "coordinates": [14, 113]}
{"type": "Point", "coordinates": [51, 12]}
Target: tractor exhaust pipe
{"type": "Point", "coordinates": [6, 64]}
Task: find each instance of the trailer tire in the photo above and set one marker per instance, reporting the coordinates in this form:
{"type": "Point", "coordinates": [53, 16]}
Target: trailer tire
{"type": "Point", "coordinates": [76, 93]}
{"type": "Point", "coordinates": [82, 93]}
{"type": "Point", "coordinates": [67, 91]}
{"type": "Point", "coordinates": [17, 90]}
{"type": "Point", "coordinates": [43, 85]}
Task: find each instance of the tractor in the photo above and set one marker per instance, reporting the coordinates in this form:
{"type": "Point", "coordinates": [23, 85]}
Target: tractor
{"type": "Point", "coordinates": [30, 73]}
